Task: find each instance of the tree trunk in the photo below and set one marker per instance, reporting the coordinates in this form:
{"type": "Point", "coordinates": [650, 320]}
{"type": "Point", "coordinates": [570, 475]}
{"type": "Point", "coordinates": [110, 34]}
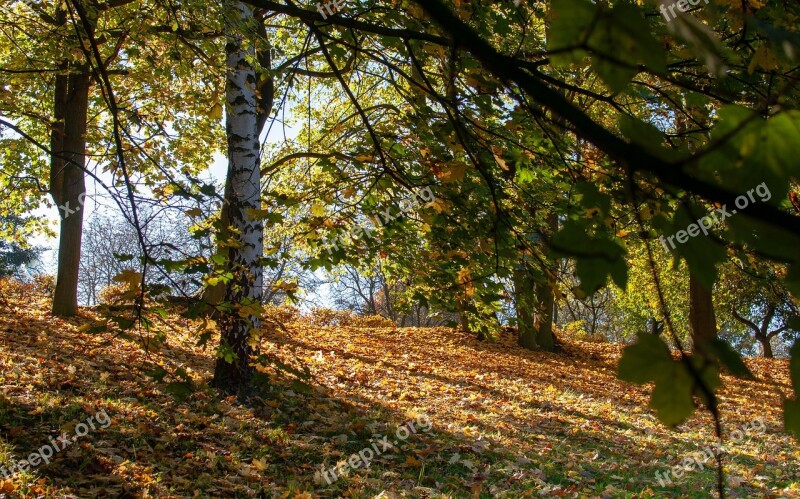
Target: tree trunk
{"type": "Point", "coordinates": [233, 370]}
{"type": "Point", "coordinates": [766, 347]}
{"type": "Point", "coordinates": [702, 321]}
{"type": "Point", "coordinates": [525, 304]}
{"type": "Point", "coordinates": [535, 303]}
{"type": "Point", "coordinates": [215, 295]}
{"type": "Point", "coordinates": [545, 301]}
{"type": "Point", "coordinates": [461, 310]}
{"type": "Point", "coordinates": [67, 184]}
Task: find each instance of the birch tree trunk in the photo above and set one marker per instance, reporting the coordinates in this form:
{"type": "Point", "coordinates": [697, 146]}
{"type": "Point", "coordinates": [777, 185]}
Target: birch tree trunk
{"type": "Point", "coordinates": [233, 370]}
{"type": "Point", "coordinates": [214, 295]}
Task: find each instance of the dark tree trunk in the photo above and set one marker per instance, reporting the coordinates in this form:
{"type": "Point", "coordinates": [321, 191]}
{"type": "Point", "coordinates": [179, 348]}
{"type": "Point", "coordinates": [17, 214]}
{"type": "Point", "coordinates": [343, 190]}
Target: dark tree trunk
{"type": "Point", "coordinates": [765, 346]}
{"type": "Point", "coordinates": [535, 301]}
{"type": "Point", "coordinates": [702, 321]}
{"type": "Point", "coordinates": [67, 184]}
{"type": "Point", "coordinates": [525, 305]}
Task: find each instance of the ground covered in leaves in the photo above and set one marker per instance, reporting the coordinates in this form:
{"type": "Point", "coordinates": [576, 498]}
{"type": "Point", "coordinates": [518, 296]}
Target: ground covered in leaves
{"type": "Point", "coordinates": [504, 422]}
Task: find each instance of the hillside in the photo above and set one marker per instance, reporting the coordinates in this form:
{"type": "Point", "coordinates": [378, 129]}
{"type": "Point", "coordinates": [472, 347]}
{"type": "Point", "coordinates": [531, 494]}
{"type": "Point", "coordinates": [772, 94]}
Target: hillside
{"type": "Point", "coordinates": [491, 419]}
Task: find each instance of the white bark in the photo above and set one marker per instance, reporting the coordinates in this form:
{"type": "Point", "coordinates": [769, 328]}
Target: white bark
{"type": "Point", "coordinates": [245, 184]}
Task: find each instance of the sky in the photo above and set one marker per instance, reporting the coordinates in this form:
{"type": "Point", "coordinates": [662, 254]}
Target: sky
{"type": "Point", "coordinates": [99, 201]}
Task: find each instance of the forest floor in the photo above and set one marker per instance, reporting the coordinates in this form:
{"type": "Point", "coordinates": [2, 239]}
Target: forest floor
{"type": "Point", "coordinates": [504, 422]}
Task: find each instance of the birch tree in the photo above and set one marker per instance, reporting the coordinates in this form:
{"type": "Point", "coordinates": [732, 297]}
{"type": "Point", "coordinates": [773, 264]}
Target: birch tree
{"type": "Point", "coordinates": [244, 290]}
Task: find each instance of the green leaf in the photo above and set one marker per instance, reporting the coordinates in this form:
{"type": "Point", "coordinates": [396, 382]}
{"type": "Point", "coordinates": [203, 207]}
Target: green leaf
{"type": "Point", "coordinates": [794, 366]}
{"type": "Point", "coordinates": [672, 396]}
{"type": "Point", "coordinates": [649, 359]}
{"type": "Point", "coordinates": [594, 271]}
{"type": "Point", "coordinates": [568, 21]}
{"type": "Point", "coordinates": [157, 373]}
{"type": "Point", "coordinates": [301, 387]}
{"type": "Point", "coordinates": [764, 237]}
{"type": "Point", "coordinates": [791, 417]}
{"type": "Point", "coordinates": [646, 360]}
{"type": "Point", "coordinates": [219, 258]}
{"type": "Point", "coordinates": [701, 40]}
{"type": "Point", "coordinates": [781, 143]}
{"type": "Point", "coordinates": [592, 198]}
{"type": "Point", "coordinates": [641, 133]}
{"type": "Point", "coordinates": [729, 358]}
{"type": "Point", "coordinates": [122, 257]}
{"type": "Point", "coordinates": [94, 328]}
{"type": "Point", "coordinates": [702, 254]}
{"type": "Point", "coordinates": [161, 312]}
{"type": "Point", "coordinates": [595, 258]}
{"type": "Point", "coordinates": [123, 322]}
{"type": "Point", "coordinates": [621, 40]}
{"type": "Point", "coordinates": [709, 374]}
{"type": "Point", "coordinates": [792, 280]}
{"type": "Point", "coordinates": [179, 389]}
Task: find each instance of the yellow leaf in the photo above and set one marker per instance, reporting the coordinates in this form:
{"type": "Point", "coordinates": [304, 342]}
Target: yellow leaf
{"type": "Point", "coordinates": [763, 58]}
{"type": "Point", "coordinates": [260, 464]}
{"type": "Point", "coordinates": [453, 172]}
{"type": "Point", "coordinates": [257, 214]}
{"type": "Point", "coordinates": [318, 210]}
{"type": "Point", "coordinates": [440, 205]}
{"type": "Point", "coordinates": [249, 309]}
{"type": "Point", "coordinates": [193, 212]}
{"type": "Point", "coordinates": [216, 112]}
{"type": "Point", "coordinates": [131, 277]}
{"type": "Point", "coordinates": [496, 151]}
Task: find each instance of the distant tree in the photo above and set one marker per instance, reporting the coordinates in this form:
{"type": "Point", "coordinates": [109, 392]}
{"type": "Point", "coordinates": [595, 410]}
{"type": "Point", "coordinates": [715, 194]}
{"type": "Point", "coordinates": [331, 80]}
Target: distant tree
{"type": "Point", "coordinates": [372, 292]}
{"type": "Point", "coordinates": [754, 304]}
{"type": "Point", "coordinates": [111, 246]}
{"type": "Point", "coordinates": [15, 258]}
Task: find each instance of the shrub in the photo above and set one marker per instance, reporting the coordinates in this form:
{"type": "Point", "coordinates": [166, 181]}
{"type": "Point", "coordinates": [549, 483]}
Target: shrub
{"type": "Point", "coordinates": [282, 314]}
{"type": "Point", "coordinates": [27, 291]}
{"type": "Point", "coordinates": [44, 284]}
{"type": "Point", "coordinates": [115, 294]}
{"type": "Point", "coordinates": [331, 317]}
{"type": "Point", "coordinates": [575, 331]}
{"type": "Point", "coordinates": [373, 321]}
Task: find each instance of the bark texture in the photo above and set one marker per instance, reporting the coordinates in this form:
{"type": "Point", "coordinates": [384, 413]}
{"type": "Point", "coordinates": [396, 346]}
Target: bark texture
{"type": "Point", "coordinates": [702, 321]}
{"type": "Point", "coordinates": [233, 370]}
{"type": "Point", "coordinates": [67, 184]}
{"type": "Point", "coordinates": [535, 303]}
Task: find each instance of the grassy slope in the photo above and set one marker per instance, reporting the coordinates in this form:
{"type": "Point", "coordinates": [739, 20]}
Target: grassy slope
{"type": "Point", "coordinates": [505, 422]}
